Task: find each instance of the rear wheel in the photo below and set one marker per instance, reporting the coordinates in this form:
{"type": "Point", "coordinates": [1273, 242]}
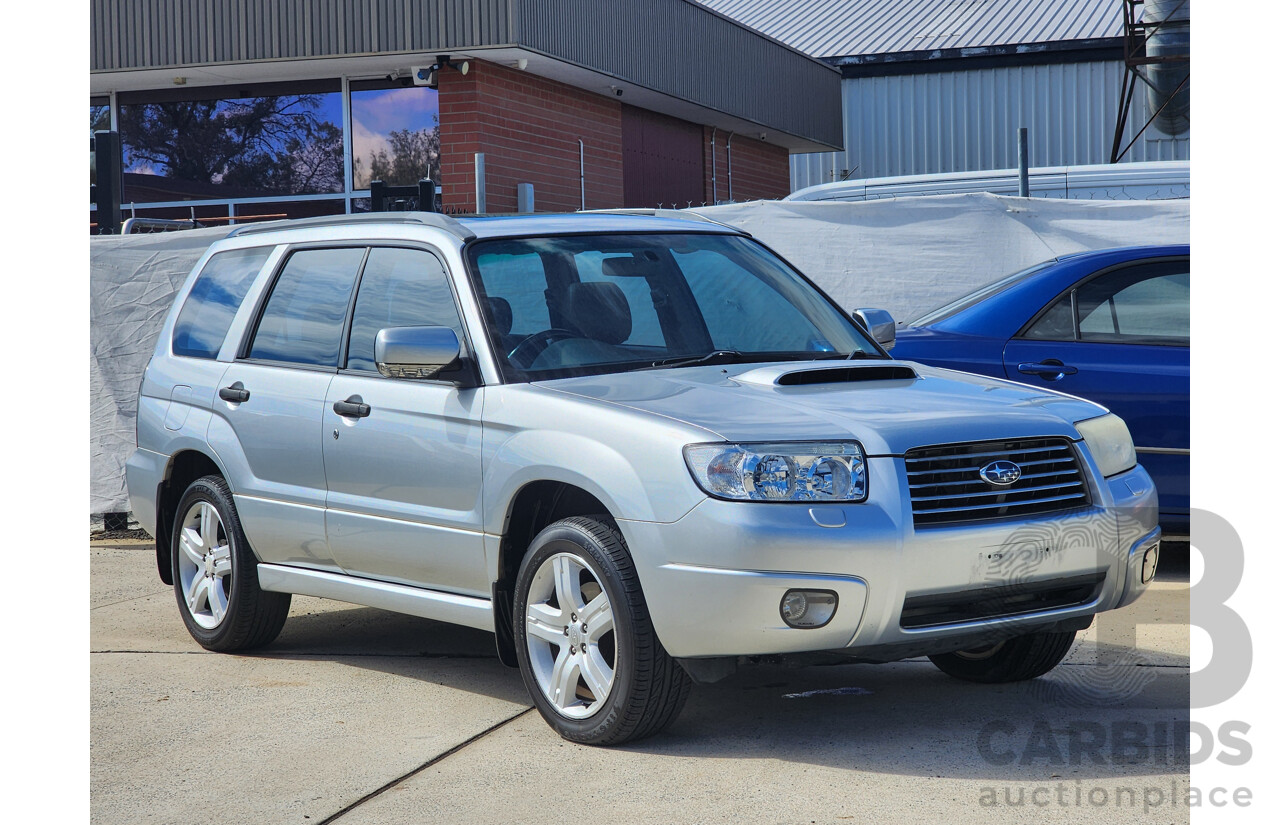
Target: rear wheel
{"type": "Point", "coordinates": [215, 576]}
{"type": "Point", "coordinates": [1011, 660]}
{"type": "Point", "coordinates": [588, 653]}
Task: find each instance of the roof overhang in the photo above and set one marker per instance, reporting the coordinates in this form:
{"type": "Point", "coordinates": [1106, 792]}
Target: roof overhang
{"type": "Point", "coordinates": [669, 56]}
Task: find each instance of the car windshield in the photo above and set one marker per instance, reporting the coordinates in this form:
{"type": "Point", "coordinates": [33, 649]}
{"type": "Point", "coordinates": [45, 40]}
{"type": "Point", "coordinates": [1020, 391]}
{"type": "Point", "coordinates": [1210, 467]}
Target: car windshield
{"type": "Point", "coordinates": [589, 304]}
{"type": "Point", "coordinates": [980, 294]}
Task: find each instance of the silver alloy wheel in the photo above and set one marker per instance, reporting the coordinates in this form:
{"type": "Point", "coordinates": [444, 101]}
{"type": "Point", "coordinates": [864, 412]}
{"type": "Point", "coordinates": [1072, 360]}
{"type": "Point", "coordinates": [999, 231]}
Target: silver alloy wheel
{"type": "Point", "coordinates": [570, 636]}
{"type": "Point", "coordinates": [204, 564]}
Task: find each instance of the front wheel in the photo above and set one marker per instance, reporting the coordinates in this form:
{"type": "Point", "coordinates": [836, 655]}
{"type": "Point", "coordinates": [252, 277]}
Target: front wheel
{"type": "Point", "coordinates": [215, 575]}
{"type": "Point", "coordinates": [587, 650]}
{"type": "Point", "coordinates": [1011, 660]}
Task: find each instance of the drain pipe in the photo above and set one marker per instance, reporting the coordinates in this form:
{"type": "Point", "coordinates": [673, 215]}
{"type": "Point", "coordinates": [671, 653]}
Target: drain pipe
{"type": "Point", "coordinates": [728, 161]}
{"type": "Point", "coordinates": [714, 194]}
{"type": "Point", "coordinates": [582, 174]}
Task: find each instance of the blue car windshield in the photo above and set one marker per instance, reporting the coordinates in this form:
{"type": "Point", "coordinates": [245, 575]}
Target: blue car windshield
{"type": "Point", "coordinates": [982, 293]}
{"type": "Point", "coordinates": [589, 304]}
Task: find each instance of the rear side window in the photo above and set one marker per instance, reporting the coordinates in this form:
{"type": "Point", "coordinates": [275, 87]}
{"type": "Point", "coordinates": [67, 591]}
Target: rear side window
{"type": "Point", "coordinates": [302, 322]}
{"type": "Point", "coordinates": [399, 288]}
{"type": "Point", "coordinates": [214, 300]}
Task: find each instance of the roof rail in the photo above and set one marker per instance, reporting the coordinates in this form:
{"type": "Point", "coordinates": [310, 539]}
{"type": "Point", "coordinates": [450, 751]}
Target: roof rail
{"type": "Point", "coordinates": [678, 214]}
{"type": "Point", "coordinates": [435, 220]}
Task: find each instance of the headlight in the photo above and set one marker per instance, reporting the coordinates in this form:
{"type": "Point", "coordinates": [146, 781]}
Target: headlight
{"type": "Point", "coordinates": [1109, 442]}
{"type": "Point", "coordinates": [826, 471]}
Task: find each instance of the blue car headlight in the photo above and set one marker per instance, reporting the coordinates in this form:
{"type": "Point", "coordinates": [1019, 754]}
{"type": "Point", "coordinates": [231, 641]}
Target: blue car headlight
{"type": "Point", "coordinates": [827, 471]}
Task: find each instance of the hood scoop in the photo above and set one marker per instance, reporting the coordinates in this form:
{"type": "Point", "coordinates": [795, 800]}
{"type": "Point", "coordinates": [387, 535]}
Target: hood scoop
{"type": "Point", "coordinates": [790, 376]}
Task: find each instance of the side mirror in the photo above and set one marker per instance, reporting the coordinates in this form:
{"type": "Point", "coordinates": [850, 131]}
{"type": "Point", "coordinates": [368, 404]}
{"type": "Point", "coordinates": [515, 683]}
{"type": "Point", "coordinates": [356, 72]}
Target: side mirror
{"type": "Point", "coordinates": [414, 352]}
{"type": "Point", "coordinates": [879, 324]}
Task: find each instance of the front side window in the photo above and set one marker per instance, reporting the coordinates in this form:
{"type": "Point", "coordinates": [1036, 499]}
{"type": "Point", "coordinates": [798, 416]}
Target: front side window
{"type": "Point", "coordinates": [582, 305]}
{"type": "Point", "coordinates": [1144, 304]}
{"type": "Point", "coordinates": [214, 299]}
{"type": "Point", "coordinates": [399, 288]}
{"type": "Point", "coordinates": [302, 321]}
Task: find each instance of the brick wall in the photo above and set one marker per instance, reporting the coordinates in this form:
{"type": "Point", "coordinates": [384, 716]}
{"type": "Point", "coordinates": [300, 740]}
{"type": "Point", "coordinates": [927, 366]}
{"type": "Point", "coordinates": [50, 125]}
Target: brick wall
{"type": "Point", "coordinates": [528, 127]}
{"type": "Point", "coordinates": [761, 171]}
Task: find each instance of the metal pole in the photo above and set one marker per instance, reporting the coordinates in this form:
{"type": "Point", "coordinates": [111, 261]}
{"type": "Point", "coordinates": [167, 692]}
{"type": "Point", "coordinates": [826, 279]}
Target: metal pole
{"type": "Point", "coordinates": [348, 147]}
{"type": "Point", "coordinates": [1024, 172]}
{"type": "Point", "coordinates": [728, 155]}
{"type": "Point", "coordinates": [480, 205]}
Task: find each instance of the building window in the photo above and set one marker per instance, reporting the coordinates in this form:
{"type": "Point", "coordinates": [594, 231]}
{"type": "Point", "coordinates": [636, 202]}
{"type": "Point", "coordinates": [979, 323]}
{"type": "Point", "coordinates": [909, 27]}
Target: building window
{"type": "Point", "coordinates": [99, 114]}
{"type": "Point", "coordinates": [284, 139]}
{"type": "Point", "coordinates": [395, 134]}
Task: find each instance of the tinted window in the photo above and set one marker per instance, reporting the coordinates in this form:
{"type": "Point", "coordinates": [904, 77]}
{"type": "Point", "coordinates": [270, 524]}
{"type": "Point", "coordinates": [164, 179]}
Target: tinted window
{"type": "Point", "coordinates": [302, 322]}
{"type": "Point", "coordinates": [1148, 303]}
{"type": "Point", "coordinates": [214, 299]}
{"type": "Point", "coordinates": [399, 288]}
{"type": "Point", "coordinates": [1136, 305]}
{"type": "Point", "coordinates": [1058, 324]}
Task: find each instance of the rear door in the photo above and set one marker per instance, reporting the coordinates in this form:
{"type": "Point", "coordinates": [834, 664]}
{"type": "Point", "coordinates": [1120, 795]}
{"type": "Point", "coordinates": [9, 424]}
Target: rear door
{"type": "Point", "coordinates": [404, 479]}
{"type": "Point", "coordinates": [268, 407]}
{"type": "Point", "coordinates": [1121, 338]}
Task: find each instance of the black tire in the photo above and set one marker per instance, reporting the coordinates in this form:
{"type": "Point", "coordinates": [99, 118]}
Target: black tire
{"type": "Point", "coordinates": [649, 689]}
{"type": "Point", "coordinates": [253, 617]}
{"type": "Point", "coordinates": [1011, 660]}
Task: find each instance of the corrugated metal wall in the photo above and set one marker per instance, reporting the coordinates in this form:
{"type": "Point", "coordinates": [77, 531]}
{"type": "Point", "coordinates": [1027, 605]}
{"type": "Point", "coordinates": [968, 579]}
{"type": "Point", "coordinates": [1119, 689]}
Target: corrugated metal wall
{"type": "Point", "coordinates": [152, 33]}
{"type": "Point", "coordinates": [968, 120]}
{"type": "Point", "coordinates": [693, 55]}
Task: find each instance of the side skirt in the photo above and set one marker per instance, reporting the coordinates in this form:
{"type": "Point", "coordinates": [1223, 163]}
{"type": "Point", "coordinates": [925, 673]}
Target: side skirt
{"type": "Point", "coordinates": [398, 598]}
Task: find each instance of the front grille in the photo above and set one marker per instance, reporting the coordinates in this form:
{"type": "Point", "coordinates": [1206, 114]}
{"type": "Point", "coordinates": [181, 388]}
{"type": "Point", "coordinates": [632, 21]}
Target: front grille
{"type": "Point", "coordinates": [946, 487]}
{"type": "Point", "coordinates": [998, 602]}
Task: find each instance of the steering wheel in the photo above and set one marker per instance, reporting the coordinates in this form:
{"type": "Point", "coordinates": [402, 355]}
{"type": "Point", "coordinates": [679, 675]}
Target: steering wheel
{"type": "Point", "coordinates": [527, 351]}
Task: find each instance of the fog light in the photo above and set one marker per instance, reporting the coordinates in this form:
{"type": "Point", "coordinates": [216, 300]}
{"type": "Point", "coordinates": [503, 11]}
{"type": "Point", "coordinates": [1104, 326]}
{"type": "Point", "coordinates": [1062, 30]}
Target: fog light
{"type": "Point", "coordinates": [1149, 561]}
{"type": "Point", "coordinates": [807, 608]}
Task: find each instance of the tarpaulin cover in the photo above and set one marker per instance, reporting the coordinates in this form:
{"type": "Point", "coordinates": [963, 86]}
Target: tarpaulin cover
{"type": "Point", "coordinates": [906, 255]}
{"type": "Point", "coordinates": [131, 286]}
{"type": "Point", "coordinates": [910, 255]}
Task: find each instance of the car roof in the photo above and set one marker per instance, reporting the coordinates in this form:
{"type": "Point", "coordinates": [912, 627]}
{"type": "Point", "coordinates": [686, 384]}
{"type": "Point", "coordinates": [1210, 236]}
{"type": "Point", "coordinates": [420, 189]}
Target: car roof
{"type": "Point", "coordinates": [1149, 251]}
{"type": "Point", "coordinates": [514, 226]}
{"type": "Point", "coordinates": [574, 223]}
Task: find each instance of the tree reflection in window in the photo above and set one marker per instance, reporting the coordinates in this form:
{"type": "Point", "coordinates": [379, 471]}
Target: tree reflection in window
{"type": "Point", "coordinates": [242, 147]}
{"type": "Point", "coordinates": [395, 135]}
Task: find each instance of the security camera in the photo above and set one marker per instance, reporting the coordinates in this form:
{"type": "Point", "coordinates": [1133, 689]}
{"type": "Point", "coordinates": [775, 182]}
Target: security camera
{"type": "Point", "coordinates": [617, 91]}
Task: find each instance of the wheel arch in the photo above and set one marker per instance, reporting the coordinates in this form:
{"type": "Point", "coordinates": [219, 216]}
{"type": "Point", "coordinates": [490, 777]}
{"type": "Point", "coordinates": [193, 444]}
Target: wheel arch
{"type": "Point", "coordinates": [184, 467]}
{"type": "Point", "coordinates": [534, 506]}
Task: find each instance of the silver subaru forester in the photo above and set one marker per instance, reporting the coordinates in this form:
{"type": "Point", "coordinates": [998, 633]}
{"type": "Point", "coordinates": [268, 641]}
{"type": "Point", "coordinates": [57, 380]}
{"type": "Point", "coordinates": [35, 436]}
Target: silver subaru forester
{"type": "Point", "coordinates": [641, 450]}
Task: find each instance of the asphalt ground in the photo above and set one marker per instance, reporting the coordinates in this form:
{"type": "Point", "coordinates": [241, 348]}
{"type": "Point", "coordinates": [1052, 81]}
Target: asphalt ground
{"type": "Point", "coordinates": [356, 715]}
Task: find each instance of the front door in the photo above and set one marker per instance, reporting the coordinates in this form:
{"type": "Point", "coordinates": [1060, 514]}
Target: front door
{"type": "Point", "coordinates": [1122, 339]}
{"type": "Point", "coordinates": [402, 456]}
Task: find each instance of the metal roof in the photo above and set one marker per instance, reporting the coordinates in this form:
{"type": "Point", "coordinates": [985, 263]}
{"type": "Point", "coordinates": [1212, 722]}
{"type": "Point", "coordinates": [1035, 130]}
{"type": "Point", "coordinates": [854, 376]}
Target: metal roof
{"type": "Point", "coordinates": [840, 28]}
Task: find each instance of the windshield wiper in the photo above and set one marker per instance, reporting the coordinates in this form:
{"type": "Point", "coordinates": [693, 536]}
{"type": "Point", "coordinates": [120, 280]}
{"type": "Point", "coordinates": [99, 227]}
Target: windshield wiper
{"type": "Point", "coordinates": [716, 356]}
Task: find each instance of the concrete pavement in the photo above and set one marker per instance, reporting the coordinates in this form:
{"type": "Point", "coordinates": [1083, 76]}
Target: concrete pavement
{"type": "Point", "coordinates": [356, 715]}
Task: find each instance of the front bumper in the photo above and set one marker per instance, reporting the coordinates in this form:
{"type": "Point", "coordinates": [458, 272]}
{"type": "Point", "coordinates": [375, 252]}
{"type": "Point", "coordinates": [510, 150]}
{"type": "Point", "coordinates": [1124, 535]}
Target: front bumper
{"type": "Point", "coordinates": [714, 579]}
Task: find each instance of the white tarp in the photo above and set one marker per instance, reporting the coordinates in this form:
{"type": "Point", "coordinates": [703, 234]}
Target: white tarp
{"type": "Point", "coordinates": [906, 255]}
{"type": "Point", "coordinates": [909, 255]}
{"type": "Point", "coordinates": [131, 286]}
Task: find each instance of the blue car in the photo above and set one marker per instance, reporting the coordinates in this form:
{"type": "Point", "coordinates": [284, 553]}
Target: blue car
{"type": "Point", "coordinates": [1112, 326]}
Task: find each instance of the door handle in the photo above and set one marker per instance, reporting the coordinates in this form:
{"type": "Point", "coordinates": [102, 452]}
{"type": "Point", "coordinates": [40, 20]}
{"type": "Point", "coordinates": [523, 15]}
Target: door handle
{"type": "Point", "coordinates": [353, 407]}
{"type": "Point", "coordinates": [236, 393]}
{"type": "Point", "coordinates": [1050, 369]}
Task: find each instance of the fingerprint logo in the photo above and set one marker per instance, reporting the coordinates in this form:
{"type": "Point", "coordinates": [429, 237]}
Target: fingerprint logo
{"type": "Point", "coordinates": [1119, 675]}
